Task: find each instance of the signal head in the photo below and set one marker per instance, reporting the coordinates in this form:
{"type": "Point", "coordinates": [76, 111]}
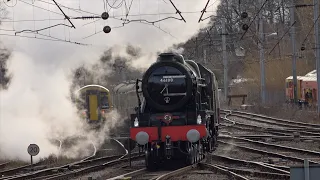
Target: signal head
{"type": "Point", "coordinates": [244, 15]}
{"type": "Point", "coordinates": [107, 29]}
{"type": "Point", "coordinates": [105, 15]}
{"type": "Point", "coordinates": [245, 27]}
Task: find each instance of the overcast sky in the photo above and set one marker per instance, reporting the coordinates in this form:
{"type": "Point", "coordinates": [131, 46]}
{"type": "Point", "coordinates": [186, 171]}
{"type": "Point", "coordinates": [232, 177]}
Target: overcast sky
{"type": "Point", "coordinates": [148, 37]}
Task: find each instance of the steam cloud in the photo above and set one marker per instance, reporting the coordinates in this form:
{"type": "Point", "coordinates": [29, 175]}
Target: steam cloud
{"type": "Point", "coordinates": [37, 107]}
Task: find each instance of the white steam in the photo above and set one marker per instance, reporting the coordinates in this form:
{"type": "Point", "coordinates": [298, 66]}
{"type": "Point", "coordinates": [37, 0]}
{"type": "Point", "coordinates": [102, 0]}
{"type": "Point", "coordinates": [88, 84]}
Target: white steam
{"type": "Point", "coordinates": [37, 108]}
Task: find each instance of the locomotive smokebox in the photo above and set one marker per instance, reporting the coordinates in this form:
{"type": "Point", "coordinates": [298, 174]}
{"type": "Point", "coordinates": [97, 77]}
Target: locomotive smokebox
{"type": "Point", "coordinates": [167, 84]}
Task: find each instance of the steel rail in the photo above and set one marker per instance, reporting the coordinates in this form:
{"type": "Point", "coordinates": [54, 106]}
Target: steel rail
{"type": "Point", "coordinates": [292, 158]}
{"type": "Point", "coordinates": [305, 151]}
{"type": "Point", "coordinates": [271, 129]}
{"type": "Point", "coordinates": [86, 170]}
{"type": "Point", "coordinates": [3, 165]}
{"type": "Point", "coordinates": [216, 168]}
{"type": "Point", "coordinates": [71, 166]}
{"type": "Point", "coordinates": [274, 122]}
{"type": "Point", "coordinates": [254, 173]}
{"type": "Point", "coordinates": [259, 136]}
{"type": "Point", "coordinates": [272, 118]}
{"type": "Point", "coordinates": [12, 171]}
{"type": "Point", "coordinates": [261, 166]}
{"type": "Point", "coordinates": [129, 175]}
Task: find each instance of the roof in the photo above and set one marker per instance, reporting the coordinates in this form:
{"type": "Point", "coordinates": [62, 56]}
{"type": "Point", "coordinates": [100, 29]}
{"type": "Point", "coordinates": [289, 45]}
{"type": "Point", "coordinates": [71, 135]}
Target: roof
{"type": "Point", "coordinates": [93, 86]}
{"type": "Point", "coordinates": [126, 87]}
{"type": "Point", "coordinates": [291, 77]}
{"type": "Point", "coordinates": [304, 78]}
{"type": "Point", "coordinates": [312, 73]}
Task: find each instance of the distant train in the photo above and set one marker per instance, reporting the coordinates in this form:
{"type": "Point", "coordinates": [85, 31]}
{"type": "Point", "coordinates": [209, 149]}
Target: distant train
{"type": "Point", "coordinates": [306, 88]}
{"type": "Point", "coordinates": [177, 110]}
{"type": "Point", "coordinates": [93, 102]}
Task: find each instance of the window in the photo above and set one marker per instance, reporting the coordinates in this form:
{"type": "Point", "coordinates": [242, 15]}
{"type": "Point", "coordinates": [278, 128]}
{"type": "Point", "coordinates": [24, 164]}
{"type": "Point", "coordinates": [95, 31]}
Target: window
{"type": "Point", "coordinates": [104, 100]}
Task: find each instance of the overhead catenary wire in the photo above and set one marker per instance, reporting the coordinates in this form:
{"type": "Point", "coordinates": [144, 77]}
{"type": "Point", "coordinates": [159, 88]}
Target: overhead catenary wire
{"type": "Point", "coordinates": [5, 3]}
{"type": "Point", "coordinates": [150, 22]}
{"type": "Point", "coordinates": [118, 6]}
{"type": "Point", "coordinates": [41, 8]}
{"type": "Point", "coordinates": [177, 11]}
{"type": "Point", "coordinates": [253, 19]}
{"type": "Point", "coordinates": [144, 21]}
{"type": "Point", "coordinates": [282, 37]}
{"type": "Point", "coordinates": [57, 39]}
{"type": "Point", "coordinates": [310, 30]}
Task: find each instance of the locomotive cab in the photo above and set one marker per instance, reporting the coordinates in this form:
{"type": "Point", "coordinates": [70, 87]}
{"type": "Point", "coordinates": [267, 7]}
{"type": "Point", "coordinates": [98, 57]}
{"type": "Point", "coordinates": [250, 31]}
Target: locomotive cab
{"type": "Point", "coordinates": [94, 102]}
{"type": "Point", "coordinates": [178, 115]}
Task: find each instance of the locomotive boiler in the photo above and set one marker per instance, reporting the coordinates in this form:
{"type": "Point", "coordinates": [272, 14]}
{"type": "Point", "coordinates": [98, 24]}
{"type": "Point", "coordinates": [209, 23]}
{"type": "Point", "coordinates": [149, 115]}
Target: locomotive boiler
{"type": "Point", "coordinates": [178, 114]}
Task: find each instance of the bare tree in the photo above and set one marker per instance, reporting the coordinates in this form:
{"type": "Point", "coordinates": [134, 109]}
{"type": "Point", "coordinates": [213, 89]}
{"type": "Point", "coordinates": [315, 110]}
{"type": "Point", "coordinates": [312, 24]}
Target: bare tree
{"type": "Point", "coordinates": [5, 77]}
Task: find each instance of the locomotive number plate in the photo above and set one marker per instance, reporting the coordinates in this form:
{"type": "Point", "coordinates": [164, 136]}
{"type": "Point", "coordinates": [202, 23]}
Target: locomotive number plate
{"type": "Point", "coordinates": [166, 80]}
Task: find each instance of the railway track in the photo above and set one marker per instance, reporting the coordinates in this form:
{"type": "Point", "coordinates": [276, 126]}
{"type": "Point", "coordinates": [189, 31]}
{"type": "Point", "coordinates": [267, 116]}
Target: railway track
{"type": "Point", "coordinates": [215, 170]}
{"type": "Point", "coordinates": [266, 126]}
{"type": "Point", "coordinates": [223, 168]}
{"type": "Point", "coordinates": [264, 153]}
{"type": "Point", "coordinates": [26, 173]}
{"type": "Point", "coordinates": [278, 138]}
{"type": "Point", "coordinates": [3, 164]}
{"type": "Point", "coordinates": [281, 148]}
{"type": "Point", "coordinates": [25, 168]}
{"type": "Point", "coordinates": [274, 121]}
{"type": "Point", "coordinates": [264, 168]}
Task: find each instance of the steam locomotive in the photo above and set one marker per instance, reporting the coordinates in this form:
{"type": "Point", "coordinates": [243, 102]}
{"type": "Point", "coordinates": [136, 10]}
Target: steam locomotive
{"type": "Point", "coordinates": [178, 111]}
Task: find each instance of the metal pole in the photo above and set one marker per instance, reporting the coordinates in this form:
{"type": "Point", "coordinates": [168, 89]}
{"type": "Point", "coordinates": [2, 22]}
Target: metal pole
{"type": "Point", "coordinates": [205, 56]}
{"type": "Point", "coordinates": [294, 60]}
{"type": "Point", "coordinates": [224, 56]}
{"type": "Point", "coordinates": [306, 169]}
{"type": "Point", "coordinates": [262, 69]}
{"type": "Point", "coordinates": [317, 46]}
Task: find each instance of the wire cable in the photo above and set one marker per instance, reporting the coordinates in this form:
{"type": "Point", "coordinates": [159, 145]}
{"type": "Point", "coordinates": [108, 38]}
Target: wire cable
{"type": "Point", "coordinates": [36, 31]}
{"type": "Point", "coordinates": [150, 22]}
{"type": "Point", "coordinates": [41, 8]}
{"type": "Point", "coordinates": [282, 37]}
{"type": "Point", "coordinates": [4, 2]}
{"type": "Point", "coordinates": [254, 19]}
{"type": "Point", "coordinates": [112, 6]}
{"type": "Point", "coordinates": [310, 30]}
{"type": "Point", "coordinates": [57, 39]}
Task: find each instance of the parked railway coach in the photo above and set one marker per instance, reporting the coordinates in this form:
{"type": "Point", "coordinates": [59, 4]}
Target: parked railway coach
{"type": "Point", "coordinates": [178, 111]}
{"type": "Point", "coordinates": [94, 101]}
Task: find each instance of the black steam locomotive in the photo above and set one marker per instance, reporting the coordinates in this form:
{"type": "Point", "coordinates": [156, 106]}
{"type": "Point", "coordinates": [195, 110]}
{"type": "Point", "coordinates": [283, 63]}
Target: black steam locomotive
{"type": "Point", "coordinates": [178, 111]}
